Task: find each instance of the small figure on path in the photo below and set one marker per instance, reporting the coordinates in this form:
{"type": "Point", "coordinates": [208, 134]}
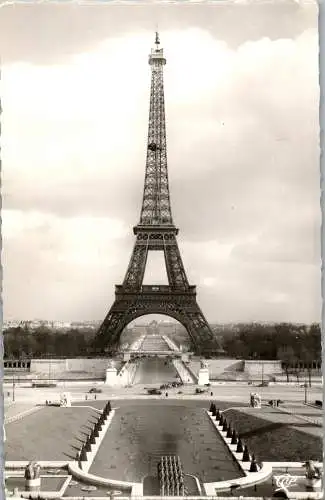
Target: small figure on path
{"type": "Point", "coordinates": [32, 470]}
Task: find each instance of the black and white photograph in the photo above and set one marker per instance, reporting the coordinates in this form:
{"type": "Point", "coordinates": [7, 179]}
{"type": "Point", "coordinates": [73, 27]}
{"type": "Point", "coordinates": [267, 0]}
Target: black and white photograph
{"type": "Point", "coordinates": [161, 250]}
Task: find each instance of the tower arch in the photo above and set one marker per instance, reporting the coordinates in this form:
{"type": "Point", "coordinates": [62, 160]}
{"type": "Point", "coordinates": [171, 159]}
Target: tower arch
{"type": "Point", "coordinates": [156, 231]}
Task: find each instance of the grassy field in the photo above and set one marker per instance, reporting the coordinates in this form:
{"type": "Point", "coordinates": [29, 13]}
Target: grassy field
{"type": "Point", "coordinates": [52, 433]}
{"type": "Point", "coordinates": [277, 438]}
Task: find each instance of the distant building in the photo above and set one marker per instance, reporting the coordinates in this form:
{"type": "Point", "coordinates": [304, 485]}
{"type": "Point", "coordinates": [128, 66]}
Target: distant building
{"type": "Point", "coordinates": [139, 329]}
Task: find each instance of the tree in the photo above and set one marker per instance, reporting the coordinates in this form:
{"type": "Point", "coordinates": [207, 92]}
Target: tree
{"type": "Point", "coordinates": [235, 347]}
{"type": "Point", "coordinates": [287, 355]}
{"type": "Point", "coordinates": [310, 347]}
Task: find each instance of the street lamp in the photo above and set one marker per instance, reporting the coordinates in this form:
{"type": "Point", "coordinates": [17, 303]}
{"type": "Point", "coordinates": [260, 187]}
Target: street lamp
{"type": "Point", "coordinates": [13, 388]}
{"type": "Point", "coordinates": [262, 373]}
{"type": "Point", "coordinates": [305, 385]}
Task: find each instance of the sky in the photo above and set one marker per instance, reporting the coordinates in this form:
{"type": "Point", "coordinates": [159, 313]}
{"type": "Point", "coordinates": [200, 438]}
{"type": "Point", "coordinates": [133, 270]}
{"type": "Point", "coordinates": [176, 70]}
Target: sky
{"type": "Point", "coordinates": [241, 92]}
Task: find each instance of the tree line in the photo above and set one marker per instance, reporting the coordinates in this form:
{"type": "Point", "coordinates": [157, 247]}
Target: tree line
{"type": "Point", "coordinates": [285, 341]}
{"type": "Point", "coordinates": [24, 342]}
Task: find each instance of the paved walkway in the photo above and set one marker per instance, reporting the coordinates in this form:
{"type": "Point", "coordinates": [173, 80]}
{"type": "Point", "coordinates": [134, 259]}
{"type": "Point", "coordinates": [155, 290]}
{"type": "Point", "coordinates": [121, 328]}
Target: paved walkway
{"type": "Point", "coordinates": [292, 418]}
{"type": "Point", "coordinates": [311, 416]}
{"type": "Point", "coordinates": [17, 408]}
{"type": "Point", "coordinates": [310, 412]}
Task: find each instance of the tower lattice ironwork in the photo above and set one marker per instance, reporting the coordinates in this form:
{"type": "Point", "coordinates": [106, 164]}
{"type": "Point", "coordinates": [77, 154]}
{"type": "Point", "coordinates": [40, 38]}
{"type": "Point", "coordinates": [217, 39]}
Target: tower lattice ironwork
{"type": "Point", "coordinates": [156, 231]}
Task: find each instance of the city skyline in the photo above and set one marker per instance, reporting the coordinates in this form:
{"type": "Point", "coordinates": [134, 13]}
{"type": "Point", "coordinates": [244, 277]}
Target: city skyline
{"type": "Point", "coordinates": [242, 148]}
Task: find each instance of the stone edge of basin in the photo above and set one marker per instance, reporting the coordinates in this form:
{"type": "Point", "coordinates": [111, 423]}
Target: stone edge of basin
{"type": "Point", "coordinates": [249, 479]}
{"type": "Point", "coordinates": [83, 474]}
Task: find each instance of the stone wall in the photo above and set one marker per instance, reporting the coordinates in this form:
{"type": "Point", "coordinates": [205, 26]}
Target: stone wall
{"type": "Point", "coordinates": [52, 367]}
{"type": "Point", "coordinates": [218, 367]}
{"type": "Point", "coordinates": [48, 366]}
{"type": "Point", "coordinates": [257, 368]}
{"type": "Point", "coordinates": [97, 366]}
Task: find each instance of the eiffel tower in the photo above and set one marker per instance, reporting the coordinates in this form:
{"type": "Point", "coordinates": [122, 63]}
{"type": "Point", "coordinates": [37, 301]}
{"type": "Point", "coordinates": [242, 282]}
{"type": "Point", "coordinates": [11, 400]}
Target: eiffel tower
{"type": "Point", "coordinates": [156, 232]}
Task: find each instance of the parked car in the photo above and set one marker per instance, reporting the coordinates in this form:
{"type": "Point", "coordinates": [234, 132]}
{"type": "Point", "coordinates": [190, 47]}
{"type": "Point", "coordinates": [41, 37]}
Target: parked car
{"type": "Point", "coordinates": [154, 392]}
{"type": "Point", "coordinates": [95, 390]}
{"type": "Point", "coordinates": [199, 391]}
{"type": "Point", "coordinates": [275, 402]}
{"type": "Point", "coordinates": [166, 386]}
{"type": "Point", "coordinates": [44, 384]}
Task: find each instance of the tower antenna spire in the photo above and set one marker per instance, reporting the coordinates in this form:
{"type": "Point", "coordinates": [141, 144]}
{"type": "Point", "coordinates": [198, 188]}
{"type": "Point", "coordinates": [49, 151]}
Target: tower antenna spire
{"type": "Point", "coordinates": [157, 41]}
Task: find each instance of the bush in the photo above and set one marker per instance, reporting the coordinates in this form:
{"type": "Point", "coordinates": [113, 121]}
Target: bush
{"type": "Point", "coordinates": [319, 403]}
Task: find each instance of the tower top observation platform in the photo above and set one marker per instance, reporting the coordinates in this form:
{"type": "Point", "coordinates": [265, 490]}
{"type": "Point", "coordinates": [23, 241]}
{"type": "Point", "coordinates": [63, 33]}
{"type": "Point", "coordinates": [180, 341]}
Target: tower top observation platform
{"type": "Point", "coordinates": [157, 54]}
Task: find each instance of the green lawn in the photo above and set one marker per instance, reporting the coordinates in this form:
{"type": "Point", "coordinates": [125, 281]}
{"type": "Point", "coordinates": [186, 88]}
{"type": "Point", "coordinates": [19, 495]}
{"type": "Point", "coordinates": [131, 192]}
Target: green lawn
{"type": "Point", "coordinates": [51, 433]}
{"type": "Point", "coordinates": [275, 439]}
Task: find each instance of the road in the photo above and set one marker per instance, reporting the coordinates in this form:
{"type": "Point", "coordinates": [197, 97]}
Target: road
{"type": "Point", "coordinates": [227, 392]}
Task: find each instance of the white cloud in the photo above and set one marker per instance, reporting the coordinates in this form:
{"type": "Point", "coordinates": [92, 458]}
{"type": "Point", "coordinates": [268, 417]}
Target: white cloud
{"type": "Point", "coordinates": [242, 126]}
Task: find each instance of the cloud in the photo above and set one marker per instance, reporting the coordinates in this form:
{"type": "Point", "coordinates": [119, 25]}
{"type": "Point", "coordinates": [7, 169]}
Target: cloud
{"type": "Point", "coordinates": [243, 155]}
{"type": "Point", "coordinates": [59, 264]}
{"type": "Point", "coordinates": [42, 33]}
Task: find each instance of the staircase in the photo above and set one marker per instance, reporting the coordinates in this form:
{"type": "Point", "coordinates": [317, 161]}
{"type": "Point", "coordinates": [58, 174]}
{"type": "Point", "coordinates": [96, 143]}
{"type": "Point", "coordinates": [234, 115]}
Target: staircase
{"type": "Point", "coordinates": [185, 375]}
{"type": "Point", "coordinates": [153, 343]}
